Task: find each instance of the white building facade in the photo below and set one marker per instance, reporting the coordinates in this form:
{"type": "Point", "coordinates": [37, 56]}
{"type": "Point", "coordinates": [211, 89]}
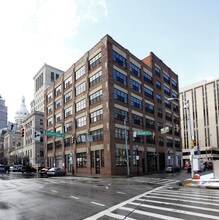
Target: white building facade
{"type": "Point", "coordinates": [204, 115]}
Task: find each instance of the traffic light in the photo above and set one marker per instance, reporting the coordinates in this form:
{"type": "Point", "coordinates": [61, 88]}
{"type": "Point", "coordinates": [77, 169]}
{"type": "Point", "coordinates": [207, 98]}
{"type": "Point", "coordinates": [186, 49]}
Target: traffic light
{"type": "Point", "coordinates": [73, 139]}
{"type": "Point", "coordinates": [194, 143]}
{"type": "Point", "coordinates": [176, 128]}
{"type": "Point", "coordinates": [22, 132]}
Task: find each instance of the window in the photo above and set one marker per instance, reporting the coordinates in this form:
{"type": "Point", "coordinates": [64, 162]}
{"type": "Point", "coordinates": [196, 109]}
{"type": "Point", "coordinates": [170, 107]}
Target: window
{"type": "Point", "coordinates": [96, 116]}
{"type": "Point", "coordinates": [119, 77]}
{"type": "Point", "coordinates": [93, 80]}
{"type": "Point", "coordinates": [119, 59]}
{"type": "Point", "coordinates": [81, 159]}
{"type": "Point", "coordinates": [80, 122]}
{"type": "Point", "coordinates": [137, 103]}
{"type": "Point", "coordinates": [121, 157]}
{"type": "Point", "coordinates": [49, 121]}
{"type": "Point", "coordinates": [49, 97]}
{"type": "Point", "coordinates": [50, 109]}
{"type": "Point", "coordinates": [58, 90]}
{"type": "Point", "coordinates": [58, 117]}
{"type": "Point", "coordinates": [96, 97]}
{"type": "Point", "coordinates": [92, 158]}
{"type": "Point", "coordinates": [68, 97]}
{"type": "Point", "coordinates": [120, 96]}
{"type": "Point", "coordinates": [102, 158]}
{"type": "Point", "coordinates": [160, 141]}
{"type": "Point", "coordinates": [58, 104]}
{"type": "Point", "coordinates": [159, 125]}
{"type": "Point", "coordinates": [68, 112]}
{"type": "Point", "coordinates": [80, 105]}
{"type": "Point", "coordinates": [175, 108]}
{"type": "Point", "coordinates": [58, 129]}
{"type": "Point", "coordinates": [52, 77]}
{"type": "Point", "coordinates": [97, 135]}
{"type": "Point", "coordinates": [150, 123]}
{"type": "Point", "coordinates": [68, 82]}
{"type": "Point", "coordinates": [166, 90]}
{"type": "Point", "coordinates": [168, 116]}
{"type": "Point", "coordinates": [167, 103]}
{"type": "Point", "coordinates": [95, 61]}
{"type": "Point", "coordinates": [159, 113]}
{"type": "Point", "coordinates": [148, 79]}
{"type": "Point", "coordinates": [159, 99]}
{"type": "Point", "coordinates": [80, 88]}
{"type": "Point", "coordinates": [135, 85]}
{"type": "Point", "coordinates": [148, 93]}
{"type": "Point", "coordinates": [135, 70]}
{"type": "Point", "coordinates": [120, 133]}
{"type": "Point", "coordinates": [120, 114]}
{"type": "Point", "coordinates": [174, 95]}
{"type": "Point", "coordinates": [169, 142]}
{"type": "Point", "coordinates": [80, 72]}
{"type": "Point", "coordinates": [149, 108]}
{"type": "Point", "coordinates": [68, 127]}
{"type": "Point", "coordinates": [137, 120]}
{"type": "Point", "coordinates": [157, 71]}
{"type": "Point", "coordinates": [166, 78]}
{"type": "Point", "coordinates": [158, 84]}
{"type": "Point", "coordinates": [174, 84]}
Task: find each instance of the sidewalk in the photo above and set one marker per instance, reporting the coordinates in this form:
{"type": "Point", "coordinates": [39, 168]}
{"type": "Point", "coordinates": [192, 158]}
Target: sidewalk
{"type": "Point", "coordinates": [205, 181]}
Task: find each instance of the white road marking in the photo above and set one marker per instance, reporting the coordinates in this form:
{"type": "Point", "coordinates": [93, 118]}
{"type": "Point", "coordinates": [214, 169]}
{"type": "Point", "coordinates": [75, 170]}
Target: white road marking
{"type": "Point", "coordinates": [120, 192]}
{"type": "Point", "coordinates": [54, 191]}
{"type": "Point", "coordinates": [74, 197]}
{"type": "Point", "coordinates": [151, 214]}
{"type": "Point", "coordinates": [117, 216]}
{"type": "Point", "coordinates": [180, 205]}
{"type": "Point", "coordinates": [175, 211]}
{"type": "Point", "coordinates": [98, 204]}
{"type": "Point", "coordinates": [111, 209]}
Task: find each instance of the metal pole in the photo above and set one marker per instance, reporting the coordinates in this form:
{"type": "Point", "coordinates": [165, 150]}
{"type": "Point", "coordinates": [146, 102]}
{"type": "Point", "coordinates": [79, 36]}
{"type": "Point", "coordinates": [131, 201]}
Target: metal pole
{"type": "Point", "coordinates": [126, 147]}
{"type": "Point", "coordinates": [190, 136]}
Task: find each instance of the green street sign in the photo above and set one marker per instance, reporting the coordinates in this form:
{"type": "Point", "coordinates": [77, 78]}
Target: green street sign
{"type": "Point", "coordinates": [143, 133]}
{"type": "Point", "coordinates": [54, 134]}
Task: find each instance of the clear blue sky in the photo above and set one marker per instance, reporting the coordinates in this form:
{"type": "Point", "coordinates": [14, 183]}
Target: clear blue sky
{"type": "Point", "coordinates": [184, 34]}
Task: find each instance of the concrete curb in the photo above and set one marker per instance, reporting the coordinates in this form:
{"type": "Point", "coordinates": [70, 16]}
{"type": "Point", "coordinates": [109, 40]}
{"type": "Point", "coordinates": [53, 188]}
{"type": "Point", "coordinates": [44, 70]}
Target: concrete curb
{"type": "Point", "coordinates": [208, 184]}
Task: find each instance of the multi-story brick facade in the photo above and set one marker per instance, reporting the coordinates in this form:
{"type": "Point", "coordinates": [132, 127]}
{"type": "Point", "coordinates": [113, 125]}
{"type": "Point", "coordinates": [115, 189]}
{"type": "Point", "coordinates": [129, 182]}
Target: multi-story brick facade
{"type": "Point", "coordinates": [104, 94]}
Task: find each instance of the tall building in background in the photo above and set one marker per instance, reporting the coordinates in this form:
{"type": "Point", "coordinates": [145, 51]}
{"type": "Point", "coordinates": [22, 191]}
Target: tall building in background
{"type": "Point", "coordinates": [44, 77]}
{"type": "Point", "coordinates": [204, 114]}
{"type": "Point", "coordinates": [3, 113]}
{"type": "Point", "coordinates": [110, 103]}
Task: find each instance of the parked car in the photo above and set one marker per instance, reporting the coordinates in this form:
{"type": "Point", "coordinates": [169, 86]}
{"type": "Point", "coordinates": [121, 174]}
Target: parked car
{"type": "Point", "coordinates": [17, 168]}
{"type": "Point", "coordinates": [43, 172]}
{"type": "Point", "coordinates": [2, 168]}
{"type": "Point", "coordinates": [172, 169]}
{"type": "Point", "coordinates": [56, 171]}
{"type": "Point", "coordinates": [28, 169]}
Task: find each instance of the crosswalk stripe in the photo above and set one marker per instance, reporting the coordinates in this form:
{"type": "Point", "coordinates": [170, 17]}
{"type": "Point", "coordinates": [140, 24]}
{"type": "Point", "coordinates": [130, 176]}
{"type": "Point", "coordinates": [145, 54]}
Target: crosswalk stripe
{"type": "Point", "coordinates": [117, 216]}
{"type": "Point", "coordinates": [150, 214]}
{"type": "Point", "coordinates": [176, 211]}
{"type": "Point", "coordinates": [187, 194]}
{"type": "Point", "coordinates": [181, 200]}
{"type": "Point", "coordinates": [182, 196]}
{"type": "Point", "coordinates": [180, 205]}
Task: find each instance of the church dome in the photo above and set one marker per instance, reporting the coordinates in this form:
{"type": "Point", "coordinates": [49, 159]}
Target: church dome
{"type": "Point", "coordinates": [22, 113]}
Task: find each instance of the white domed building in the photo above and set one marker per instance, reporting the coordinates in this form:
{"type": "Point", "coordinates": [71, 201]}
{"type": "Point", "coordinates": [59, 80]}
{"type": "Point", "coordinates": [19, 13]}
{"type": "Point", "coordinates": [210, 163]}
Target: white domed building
{"type": "Point", "coordinates": [21, 114]}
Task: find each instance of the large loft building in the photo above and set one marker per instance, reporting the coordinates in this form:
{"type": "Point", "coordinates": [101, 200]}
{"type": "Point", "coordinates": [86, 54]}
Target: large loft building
{"type": "Point", "coordinates": [203, 97]}
{"type": "Point", "coordinates": [105, 95]}
{"type": "Point", "coordinates": [43, 78]}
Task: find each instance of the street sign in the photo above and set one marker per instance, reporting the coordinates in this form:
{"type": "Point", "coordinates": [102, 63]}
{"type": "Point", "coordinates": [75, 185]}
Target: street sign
{"type": "Point", "coordinates": [143, 133]}
{"type": "Point", "coordinates": [54, 134]}
{"type": "Point", "coordinates": [37, 135]}
{"type": "Point", "coordinates": [164, 130]}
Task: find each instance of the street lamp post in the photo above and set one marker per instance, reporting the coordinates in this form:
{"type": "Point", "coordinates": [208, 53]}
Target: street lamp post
{"type": "Point", "coordinates": [187, 106]}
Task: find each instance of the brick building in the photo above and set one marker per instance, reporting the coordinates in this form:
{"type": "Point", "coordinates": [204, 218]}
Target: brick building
{"type": "Point", "coordinates": [103, 96]}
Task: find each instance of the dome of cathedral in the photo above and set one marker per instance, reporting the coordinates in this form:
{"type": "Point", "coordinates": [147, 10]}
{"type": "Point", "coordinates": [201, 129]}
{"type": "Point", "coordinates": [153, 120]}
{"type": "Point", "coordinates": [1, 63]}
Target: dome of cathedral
{"type": "Point", "coordinates": [22, 113]}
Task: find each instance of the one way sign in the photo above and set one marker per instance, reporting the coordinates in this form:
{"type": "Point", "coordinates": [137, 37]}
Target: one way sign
{"type": "Point", "coordinates": [37, 135]}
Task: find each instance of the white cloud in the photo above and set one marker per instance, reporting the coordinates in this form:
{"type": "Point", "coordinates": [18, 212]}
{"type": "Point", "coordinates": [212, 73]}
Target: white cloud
{"type": "Point", "coordinates": [35, 32]}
